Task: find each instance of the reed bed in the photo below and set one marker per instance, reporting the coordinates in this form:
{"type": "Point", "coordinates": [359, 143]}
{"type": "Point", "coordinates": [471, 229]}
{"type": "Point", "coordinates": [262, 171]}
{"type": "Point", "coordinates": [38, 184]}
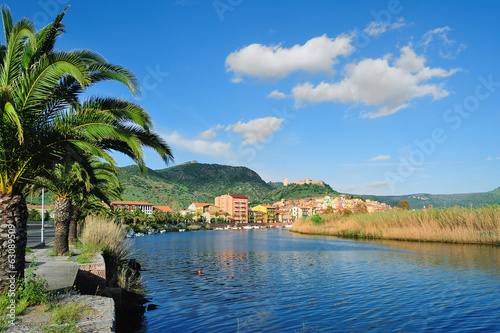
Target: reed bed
{"type": "Point", "coordinates": [451, 225]}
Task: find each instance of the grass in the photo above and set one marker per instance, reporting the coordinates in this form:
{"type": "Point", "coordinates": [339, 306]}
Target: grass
{"type": "Point", "coordinates": [65, 316]}
{"type": "Point", "coordinates": [31, 291]}
{"type": "Point", "coordinates": [452, 225]}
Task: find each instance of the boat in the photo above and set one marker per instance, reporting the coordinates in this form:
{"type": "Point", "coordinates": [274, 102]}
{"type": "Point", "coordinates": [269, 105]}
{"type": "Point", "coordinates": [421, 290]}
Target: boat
{"type": "Point", "coordinates": [182, 230]}
{"type": "Point", "coordinates": [163, 231]}
{"type": "Point", "coordinates": [248, 227]}
{"type": "Point", "coordinates": [131, 234]}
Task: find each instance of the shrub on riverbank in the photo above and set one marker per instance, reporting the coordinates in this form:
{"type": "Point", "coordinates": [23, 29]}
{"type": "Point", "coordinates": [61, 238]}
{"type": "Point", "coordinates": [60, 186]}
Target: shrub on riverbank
{"type": "Point", "coordinates": [455, 225]}
{"type": "Point", "coordinates": [105, 235]}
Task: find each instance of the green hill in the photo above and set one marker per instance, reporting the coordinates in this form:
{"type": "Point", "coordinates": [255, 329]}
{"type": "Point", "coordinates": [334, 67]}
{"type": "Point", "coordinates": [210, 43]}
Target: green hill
{"type": "Point", "coordinates": [418, 201]}
{"type": "Point", "coordinates": [180, 185]}
{"type": "Point", "coordinates": [294, 191]}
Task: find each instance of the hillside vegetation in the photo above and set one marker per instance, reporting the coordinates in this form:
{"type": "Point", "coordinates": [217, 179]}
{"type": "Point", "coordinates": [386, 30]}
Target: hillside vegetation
{"type": "Point", "coordinates": [418, 201]}
{"type": "Point", "coordinates": [181, 185]}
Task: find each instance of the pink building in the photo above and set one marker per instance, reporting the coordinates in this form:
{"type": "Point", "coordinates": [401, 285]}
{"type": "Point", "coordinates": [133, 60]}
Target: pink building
{"type": "Point", "coordinates": [235, 205]}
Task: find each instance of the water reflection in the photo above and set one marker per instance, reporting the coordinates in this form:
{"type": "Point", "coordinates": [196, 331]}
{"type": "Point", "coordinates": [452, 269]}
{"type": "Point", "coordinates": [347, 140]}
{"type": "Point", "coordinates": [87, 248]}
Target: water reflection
{"type": "Point", "coordinates": [271, 281]}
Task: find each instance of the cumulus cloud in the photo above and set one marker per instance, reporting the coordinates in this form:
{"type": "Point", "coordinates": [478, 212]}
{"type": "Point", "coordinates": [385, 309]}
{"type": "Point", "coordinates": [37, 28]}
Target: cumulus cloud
{"type": "Point", "coordinates": [211, 148]}
{"type": "Point", "coordinates": [448, 48]}
{"type": "Point", "coordinates": [377, 28]}
{"type": "Point", "coordinates": [256, 130]}
{"type": "Point", "coordinates": [318, 55]}
{"type": "Point", "coordinates": [276, 95]}
{"type": "Point", "coordinates": [380, 158]}
{"type": "Point", "coordinates": [375, 82]}
{"type": "Point", "coordinates": [210, 133]}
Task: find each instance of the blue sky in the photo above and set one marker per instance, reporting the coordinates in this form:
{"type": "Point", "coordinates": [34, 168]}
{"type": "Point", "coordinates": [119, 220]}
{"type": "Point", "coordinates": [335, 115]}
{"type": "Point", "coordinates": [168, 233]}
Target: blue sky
{"type": "Point", "coordinates": [373, 97]}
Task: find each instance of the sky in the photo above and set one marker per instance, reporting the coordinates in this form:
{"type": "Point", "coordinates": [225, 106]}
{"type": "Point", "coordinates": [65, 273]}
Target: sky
{"type": "Point", "coordinates": [372, 97]}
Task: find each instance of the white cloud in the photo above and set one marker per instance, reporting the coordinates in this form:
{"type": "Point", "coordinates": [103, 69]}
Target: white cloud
{"type": "Point", "coordinates": [448, 48]}
{"type": "Point", "coordinates": [211, 148]}
{"type": "Point", "coordinates": [276, 62]}
{"type": "Point", "coordinates": [492, 158]}
{"type": "Point", "coordinates": [210, 133]}
{"type": "Point", "coordinates": [377, 28]}
{"type": "Point", "coordinates": [256, 130]}
{"type": "Point", "coordinates": [362, 187]}
{"type": "Point", "coordinates": [375, 82]}
{"type": "Point", "coordinates": [377, 184]}
{"type": "Point", "coordinates": [347, 188]}
{"type": "Point", "coordinates": [276, 95]}
{"type": "Point", "coordinates": [380, 158]}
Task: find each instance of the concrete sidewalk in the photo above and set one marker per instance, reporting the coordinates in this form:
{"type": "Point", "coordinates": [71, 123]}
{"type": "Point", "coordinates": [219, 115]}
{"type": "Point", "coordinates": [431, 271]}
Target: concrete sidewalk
{"type": "Point", "coordinates": [59, 271]}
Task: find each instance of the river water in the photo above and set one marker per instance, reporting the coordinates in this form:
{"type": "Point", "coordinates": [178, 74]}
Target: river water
{"type": "Point", "coordinates": [277, 281]}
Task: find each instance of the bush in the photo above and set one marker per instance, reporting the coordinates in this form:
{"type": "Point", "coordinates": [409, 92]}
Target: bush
{"type": "Point", "coordinates": [316, 219]}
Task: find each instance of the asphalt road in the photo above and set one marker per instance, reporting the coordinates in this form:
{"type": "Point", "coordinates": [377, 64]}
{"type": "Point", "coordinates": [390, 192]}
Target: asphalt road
{"type": "Point", "coordinates": [34, 235]}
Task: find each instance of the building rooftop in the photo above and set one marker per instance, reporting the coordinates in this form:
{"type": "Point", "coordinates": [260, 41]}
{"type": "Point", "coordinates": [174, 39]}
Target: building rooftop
{"type": "Point", "coordinates": [163, 208]}
{"type": "Point", "coordinates": [131, 203]}
{"type": "Point", "coordinates": [202, 204]}
{"type": "Point", "coordinates": [238, 196]}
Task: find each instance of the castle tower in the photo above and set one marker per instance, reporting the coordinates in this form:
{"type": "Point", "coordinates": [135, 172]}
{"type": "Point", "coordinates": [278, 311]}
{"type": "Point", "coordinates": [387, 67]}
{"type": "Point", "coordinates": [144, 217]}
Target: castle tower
{"type": "Point", "coordinates": [285, 181]}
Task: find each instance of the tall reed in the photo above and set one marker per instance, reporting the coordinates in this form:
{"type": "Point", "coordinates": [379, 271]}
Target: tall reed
{"type": "Point", "coordinates": [106, 235]}
{"type": "Point", "coordinates": [455, 225]}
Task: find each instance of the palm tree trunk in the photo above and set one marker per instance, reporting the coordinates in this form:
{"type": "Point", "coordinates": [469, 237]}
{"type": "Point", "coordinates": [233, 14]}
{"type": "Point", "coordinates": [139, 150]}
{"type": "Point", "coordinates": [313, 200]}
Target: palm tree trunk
{"type": "Point", "coordinates": [62, 217]}
{"type": "Point", "coordinates": [13, 237]}
{"type": "Point", "coordinates": [73, 225]}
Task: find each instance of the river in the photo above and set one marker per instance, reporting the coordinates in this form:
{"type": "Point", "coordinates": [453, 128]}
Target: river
{"type": "Point", "coordinates": [277, 281]}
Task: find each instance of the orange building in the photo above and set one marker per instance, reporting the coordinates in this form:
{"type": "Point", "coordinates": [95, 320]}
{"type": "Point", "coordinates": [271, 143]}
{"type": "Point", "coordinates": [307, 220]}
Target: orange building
{"type": "Point", "coordinates": [235, 205]}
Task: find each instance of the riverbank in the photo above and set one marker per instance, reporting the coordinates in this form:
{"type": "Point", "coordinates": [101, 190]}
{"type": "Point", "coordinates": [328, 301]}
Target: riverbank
{"type": "Point", "coordinates": [450, 225]}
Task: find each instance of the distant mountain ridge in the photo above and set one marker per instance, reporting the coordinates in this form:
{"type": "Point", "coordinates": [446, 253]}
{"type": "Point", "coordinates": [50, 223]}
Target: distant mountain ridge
{"type": "Point", "coordinates": [420, 200]}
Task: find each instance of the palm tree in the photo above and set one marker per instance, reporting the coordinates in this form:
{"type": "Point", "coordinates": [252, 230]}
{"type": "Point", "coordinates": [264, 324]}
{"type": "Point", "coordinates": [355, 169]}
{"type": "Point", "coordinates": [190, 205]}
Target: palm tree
{"type": "Point", "coordinates": [63, 182]}
{"type": "Point", "coordinates": [42, 121]}
{"type": "Point", "coordinates": [99, 185]}
{"type": "Point", "coordinates": [177, 217]}
{"type": "Point", "coordinates": [158, 216]}
{"type": "Point", "coordinates": [137, 215]}
{"type": "Point", "coordinates": [76, 188]}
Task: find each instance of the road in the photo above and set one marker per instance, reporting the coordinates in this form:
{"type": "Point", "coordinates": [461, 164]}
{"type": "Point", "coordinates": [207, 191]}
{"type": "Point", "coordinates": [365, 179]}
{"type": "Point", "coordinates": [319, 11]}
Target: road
{"type": "Point", "coordinates": [34, 235]}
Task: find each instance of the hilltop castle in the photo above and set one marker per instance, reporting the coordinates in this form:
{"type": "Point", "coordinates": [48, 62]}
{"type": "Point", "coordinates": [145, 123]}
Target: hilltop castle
{"type": "Point", "coordinates": [300, 182]}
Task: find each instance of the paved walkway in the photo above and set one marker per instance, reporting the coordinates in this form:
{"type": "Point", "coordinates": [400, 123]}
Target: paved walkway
{"type": "Point", "coordinates": [59, 271]}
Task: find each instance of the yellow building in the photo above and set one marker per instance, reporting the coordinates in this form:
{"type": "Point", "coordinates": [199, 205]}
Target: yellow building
{"type": "Point", "coordinates": [268, 211]}
{"type": "Point", "coordinates": [199, 207]}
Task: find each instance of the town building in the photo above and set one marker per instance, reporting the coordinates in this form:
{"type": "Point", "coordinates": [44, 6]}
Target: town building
{"type": "Point", "coordinates": [200, 207]}
{"type": "Point", "coordinates": [46, 208]}
{"type": "Point", "coordinates": [235, 205]}
{"type": "Point", "coordinates": [145, 207]}
{"type": "Point", "coordinates": [269, 213]}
